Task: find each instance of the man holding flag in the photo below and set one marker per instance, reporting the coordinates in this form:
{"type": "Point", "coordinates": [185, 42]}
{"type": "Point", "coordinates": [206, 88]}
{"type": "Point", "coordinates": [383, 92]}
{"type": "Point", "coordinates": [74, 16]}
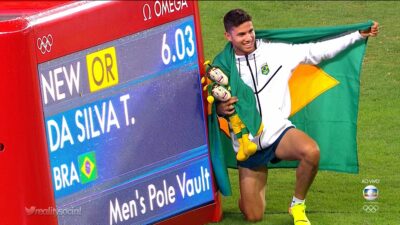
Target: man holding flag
{"type": "Point", "coordinates": [259, 72]}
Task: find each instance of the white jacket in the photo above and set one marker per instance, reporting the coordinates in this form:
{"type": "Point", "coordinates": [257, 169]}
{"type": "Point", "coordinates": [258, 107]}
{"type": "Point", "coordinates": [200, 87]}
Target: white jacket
{"type": "Point", "coordinates": [273, 95]}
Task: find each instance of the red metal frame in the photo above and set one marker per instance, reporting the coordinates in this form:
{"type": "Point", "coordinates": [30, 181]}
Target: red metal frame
{"type": "Point", "coordinates": [18, 8]}
{"type": "Point", "coordinates": [24, 166]}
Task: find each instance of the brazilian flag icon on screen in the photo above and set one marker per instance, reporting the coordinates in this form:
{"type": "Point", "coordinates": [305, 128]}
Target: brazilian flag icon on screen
{"type": "Point", "coordinates": [87, 167]}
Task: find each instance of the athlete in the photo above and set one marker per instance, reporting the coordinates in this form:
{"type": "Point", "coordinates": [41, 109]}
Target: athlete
{"type": "Point", "coordinates": [280, 140]}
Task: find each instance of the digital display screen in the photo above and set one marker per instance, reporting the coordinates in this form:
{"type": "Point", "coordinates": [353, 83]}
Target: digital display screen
{"type": "Point", "coordinates": [125, 128]}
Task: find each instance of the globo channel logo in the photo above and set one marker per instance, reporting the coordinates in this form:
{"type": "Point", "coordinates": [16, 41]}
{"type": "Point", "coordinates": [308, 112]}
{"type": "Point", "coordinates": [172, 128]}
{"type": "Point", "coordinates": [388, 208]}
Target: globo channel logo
{"type": "Point", "coordinates": [370, 193]}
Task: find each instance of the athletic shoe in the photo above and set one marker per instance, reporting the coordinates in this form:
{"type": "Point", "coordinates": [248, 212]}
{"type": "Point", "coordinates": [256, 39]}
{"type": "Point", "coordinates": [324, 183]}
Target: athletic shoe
{"type": "Point", "coordinates": [298, 212]}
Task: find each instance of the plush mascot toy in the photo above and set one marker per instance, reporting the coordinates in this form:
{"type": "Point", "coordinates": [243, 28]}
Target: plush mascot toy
{"type": "Point", "coordinates": [219, 89]}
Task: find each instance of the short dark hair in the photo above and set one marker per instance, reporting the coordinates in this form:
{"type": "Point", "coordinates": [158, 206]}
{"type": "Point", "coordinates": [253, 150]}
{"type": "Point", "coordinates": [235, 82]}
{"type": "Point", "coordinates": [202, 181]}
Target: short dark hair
{"type": "Point", "coordinates": [235, 18]}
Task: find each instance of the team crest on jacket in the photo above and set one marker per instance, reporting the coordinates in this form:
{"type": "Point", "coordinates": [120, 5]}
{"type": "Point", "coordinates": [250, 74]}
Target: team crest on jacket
{"type": "Point", "coordinates": [265, 69]}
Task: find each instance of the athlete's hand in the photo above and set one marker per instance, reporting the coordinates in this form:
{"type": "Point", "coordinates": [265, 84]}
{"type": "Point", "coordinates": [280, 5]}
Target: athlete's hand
{"type": "Point", "coordinates": [371, 32]}
{"type": "Point", "coordinates": [226, 108]}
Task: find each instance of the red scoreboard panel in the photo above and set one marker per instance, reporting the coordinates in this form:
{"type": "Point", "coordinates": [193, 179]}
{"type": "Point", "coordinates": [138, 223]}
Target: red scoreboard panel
{"type": "Point", "coordinates": [102, 118]}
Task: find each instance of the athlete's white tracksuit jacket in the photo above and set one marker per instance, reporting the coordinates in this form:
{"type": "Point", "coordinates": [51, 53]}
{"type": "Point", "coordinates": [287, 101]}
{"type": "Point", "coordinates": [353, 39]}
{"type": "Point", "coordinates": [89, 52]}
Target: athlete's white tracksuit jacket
{"type": "Point", "coordinates": [272, 90]}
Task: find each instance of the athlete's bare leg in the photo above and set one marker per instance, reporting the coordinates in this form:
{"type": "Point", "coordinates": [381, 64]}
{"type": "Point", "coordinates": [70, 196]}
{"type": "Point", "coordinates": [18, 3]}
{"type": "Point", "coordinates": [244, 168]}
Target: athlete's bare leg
{"type": "Point", "coordinates": [252, 192]}
{"type": "Point", "coordinates": [296, 145]}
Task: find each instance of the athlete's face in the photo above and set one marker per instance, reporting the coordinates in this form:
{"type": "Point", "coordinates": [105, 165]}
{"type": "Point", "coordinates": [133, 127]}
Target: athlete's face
{"type": "Point", "coordinates": [242, 38]}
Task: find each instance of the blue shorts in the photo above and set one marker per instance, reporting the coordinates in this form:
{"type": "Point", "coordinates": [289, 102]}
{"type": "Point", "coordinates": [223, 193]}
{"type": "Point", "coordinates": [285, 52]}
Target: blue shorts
{"type": "Point", "coordinates": [263, 156]}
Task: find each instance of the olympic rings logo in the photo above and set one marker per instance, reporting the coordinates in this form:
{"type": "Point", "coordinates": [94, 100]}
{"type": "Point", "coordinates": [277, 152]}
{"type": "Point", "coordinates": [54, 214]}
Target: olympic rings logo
{"type": "Point", "coordinates": [370, 208]}
{"type": "Point", "coordinates": [44, 44]}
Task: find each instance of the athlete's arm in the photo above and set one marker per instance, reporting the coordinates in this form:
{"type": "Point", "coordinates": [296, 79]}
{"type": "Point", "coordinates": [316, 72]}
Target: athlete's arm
{"type": "Point", "coordinates": [314, 53]}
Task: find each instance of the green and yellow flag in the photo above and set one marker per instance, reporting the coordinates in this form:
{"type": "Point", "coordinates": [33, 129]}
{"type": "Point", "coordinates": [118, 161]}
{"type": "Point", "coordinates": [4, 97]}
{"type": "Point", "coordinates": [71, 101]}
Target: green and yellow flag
{"type": "Point", "coordinates": [324, 102]}
{"type": "Point", "coordinates": [87, 167]}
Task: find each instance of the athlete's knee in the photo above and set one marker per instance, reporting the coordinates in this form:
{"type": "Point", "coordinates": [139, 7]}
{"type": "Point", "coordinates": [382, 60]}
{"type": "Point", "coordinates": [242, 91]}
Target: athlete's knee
{"type": "Point", "coordinates": [254, 215]}
{"type": "Point", "coordinates": [311, 153]}
{"type": "Point", "coordinates": [254, 212]}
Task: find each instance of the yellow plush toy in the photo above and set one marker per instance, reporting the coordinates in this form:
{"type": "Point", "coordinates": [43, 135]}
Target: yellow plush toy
{"type": "Point", "coordinates": [219, 89]}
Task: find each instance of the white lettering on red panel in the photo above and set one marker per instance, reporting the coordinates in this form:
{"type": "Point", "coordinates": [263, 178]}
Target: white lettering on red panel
{"type": "Point", "coordinates": [161, 8]}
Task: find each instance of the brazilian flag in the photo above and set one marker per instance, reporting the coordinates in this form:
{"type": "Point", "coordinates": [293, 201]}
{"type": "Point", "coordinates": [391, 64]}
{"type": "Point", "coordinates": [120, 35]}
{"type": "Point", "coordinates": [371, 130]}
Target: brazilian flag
{"type": "Point", "coordinates": [324, 102]}
{"type": "Point", "coordinates": [87, 167]}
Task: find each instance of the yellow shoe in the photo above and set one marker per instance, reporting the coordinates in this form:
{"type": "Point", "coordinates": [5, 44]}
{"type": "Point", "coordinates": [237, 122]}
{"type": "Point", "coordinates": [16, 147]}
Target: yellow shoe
{"type": "Point", "coordinates": [298, 212]}
{"type": "Point", "coordinates": [249, 147]}
{"type": "Point", "coordinates": [241, 156]}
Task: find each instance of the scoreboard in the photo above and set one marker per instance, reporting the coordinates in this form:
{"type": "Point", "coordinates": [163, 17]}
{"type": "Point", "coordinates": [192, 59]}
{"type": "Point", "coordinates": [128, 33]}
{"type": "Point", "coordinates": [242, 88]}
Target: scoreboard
{"type": "Point", "coordinates": [122, 110]}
